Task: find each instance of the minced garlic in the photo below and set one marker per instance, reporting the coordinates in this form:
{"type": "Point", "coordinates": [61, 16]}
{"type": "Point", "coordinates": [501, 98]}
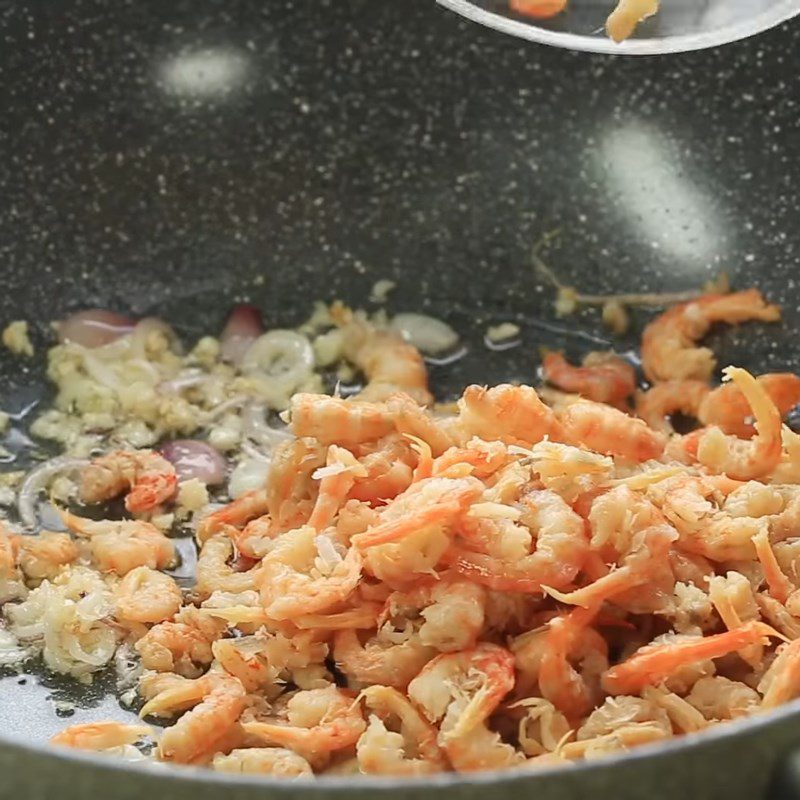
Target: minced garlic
{"type": "Point", "coordinates": [15, 338]}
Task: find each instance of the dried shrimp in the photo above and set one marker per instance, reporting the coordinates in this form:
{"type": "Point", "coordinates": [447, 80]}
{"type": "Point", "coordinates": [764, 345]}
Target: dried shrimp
{"type": "Point", "coordinates": [502, 583]}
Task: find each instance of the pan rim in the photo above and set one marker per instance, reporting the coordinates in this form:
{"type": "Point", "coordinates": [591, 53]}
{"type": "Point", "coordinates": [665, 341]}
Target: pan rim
{"type": "Point", "coordinates": [338, 785]}
{"type": "Point", "coordinates": [683, 43]}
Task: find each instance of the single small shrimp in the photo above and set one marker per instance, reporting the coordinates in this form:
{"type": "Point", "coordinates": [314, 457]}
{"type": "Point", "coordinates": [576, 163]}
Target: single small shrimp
{"type": "Point", "coordinates": [621, 740]}
{"type": "Point", "coordinates": [429, 502]}
{"type": "Point", "coordinates": [452, 610]}
{"type": "Point", "coordinates": [719, 698]}
{"type": "Point", "coordinates": [389, 363]}
{"type": "Point", "coordinates": [277, 761]}
{"type": "Point", "coordinates": [654, 663]}
{"type": "Point", "coordinates": [559, 681]}
{"type": "Point", "coordinates": [122, 545]}
{"type": "Point", "coordinates": [334, 420]}
{"type": "Point", "coordinates": [561, 545]}
{"type": "Point", "coordinates": [781, 682]}
{"type": "Point", "coordinates": [255, 540]}
{"type": "Point", "coordinates": [100, 735]}
{"type": "Point", "coordinates": [291, 490]}
{"type": "Point", "coordinates": [617, 713]}
{"type": "Point", "coordinates": [387, 470]}
{"type": "Point", "coordinates": [244, 658]}
{"type": "Point", "coordinates": [780, 587]}
{"type": "Point", "coordinates": [416, 554]}
{"type": "Point", "coordinates": [669, 349]}
{"type": "Point", "coordinates": [147, 477]}
{"type": "Point", "coordinates": [542, 728]}
{"type": "Point", "coordinates": [493, 664]}
{"type": "Point", "coordinates": [734, 600]}
{"type": "Point", "coordinates": [603, 378]}
{"type": "Point", "coordinates": [615, 517]}
{"type": "Point", "coordinates": [175, 647]}
{"type": "Point", "coordinates": [336, 479]}
{"type": "Point", "coordinates": [612, 432]}
{"type": "Point", "coordinates": [380, 659]}
{"type": "Point", "coordinates": [478, 457]}
{"type": "Point", "coordinates": [662, 400]}
{"type": "Point", "coordinates": [263, 662]}
{"type": "Point", "coordinates": [411, 419]}
{"type": "Point", "coordinates": [318, 722]}
{"type": "Point", "coordinates": [627, 14]}
{"type": "Point", "coordinates": [214, 572]}
{"type": "Point", "coordinates": [475, 682]}
{"type": "Point", "coordinates": [644, 563]}
{"type": "Point", "coordinates": [629, 530]}
{"type": "Point", "coordinates": [146, 595]}
{"type": "Point", "coordinates": [750, 499]}
{"type": "Point", "coordinates": [571, 472]}
{"type": "Point", "coordinates": [742, 459]}
{"type": "Point", "coordinates": [510, 414]}
{"type": "Point", "coordinates": [727, 408]}
{"type": "Point", "coordinates": [704, 528]}
{"type": "Point", "coordinates": [297, 578]}
{"type": "Point", "coordinates": [683, 716]}
{"type": "Point", "coordinates": [407, 747]}
{"type": "Point", "coordinates": [508, 484]}
{"type": "Point", "coordinates": [218, 700]}
{"type": "Point", "coordinates": [42, 557]}
{"type": "Point", "coordinates": [153, 683]}
{"type": "Point", "coordinates": [777, 615]}
{"type": "Point", "coordinates": [361, 617]}
{"type": "Point", "coordinates": [235, 514]}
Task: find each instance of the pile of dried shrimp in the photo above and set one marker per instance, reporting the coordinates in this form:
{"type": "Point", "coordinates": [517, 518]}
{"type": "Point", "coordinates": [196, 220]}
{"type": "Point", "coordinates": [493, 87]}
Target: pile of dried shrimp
{"type": "Point", "coordinates": [511, 584]}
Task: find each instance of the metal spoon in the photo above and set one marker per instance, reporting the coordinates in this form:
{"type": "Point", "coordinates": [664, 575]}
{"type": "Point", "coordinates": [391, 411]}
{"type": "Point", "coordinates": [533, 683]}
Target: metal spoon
{"type": "Point", "coordinates": [680, 25]}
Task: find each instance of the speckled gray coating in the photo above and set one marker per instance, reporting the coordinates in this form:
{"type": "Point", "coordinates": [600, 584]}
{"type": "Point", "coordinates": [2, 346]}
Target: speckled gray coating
{"type": "Point", "coordinates": [173, 158]}
{"type": "Point", "coordinates": [164, 156]}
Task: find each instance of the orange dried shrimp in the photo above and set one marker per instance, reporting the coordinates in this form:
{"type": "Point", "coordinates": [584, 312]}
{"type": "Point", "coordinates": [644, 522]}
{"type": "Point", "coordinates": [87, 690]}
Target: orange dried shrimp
{"type": "Point", "coordinates": [409, 593]}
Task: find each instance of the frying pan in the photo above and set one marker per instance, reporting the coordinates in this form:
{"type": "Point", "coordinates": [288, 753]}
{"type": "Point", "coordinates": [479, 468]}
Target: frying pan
{"type": "Point", "coordinates": [175, 158]}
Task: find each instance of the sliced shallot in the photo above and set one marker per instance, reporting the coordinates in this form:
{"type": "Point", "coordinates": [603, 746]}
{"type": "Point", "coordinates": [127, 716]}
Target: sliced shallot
{"type": "Point", "coordinates": [94, 327]}
{"type": "Point", "coordinates": [243, 327]}
{"type": "Point", "coordinates": [195, 459]}
{"type": "Point", "coordinates": [285, 357]}
{"type": "Point", "coordinates": [37, 479]}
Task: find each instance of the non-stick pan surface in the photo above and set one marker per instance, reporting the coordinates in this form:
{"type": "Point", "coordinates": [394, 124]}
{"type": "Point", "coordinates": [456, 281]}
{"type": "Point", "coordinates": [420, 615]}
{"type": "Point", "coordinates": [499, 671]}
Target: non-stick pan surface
{"type": "Point", "coordinates": [174, 158]}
